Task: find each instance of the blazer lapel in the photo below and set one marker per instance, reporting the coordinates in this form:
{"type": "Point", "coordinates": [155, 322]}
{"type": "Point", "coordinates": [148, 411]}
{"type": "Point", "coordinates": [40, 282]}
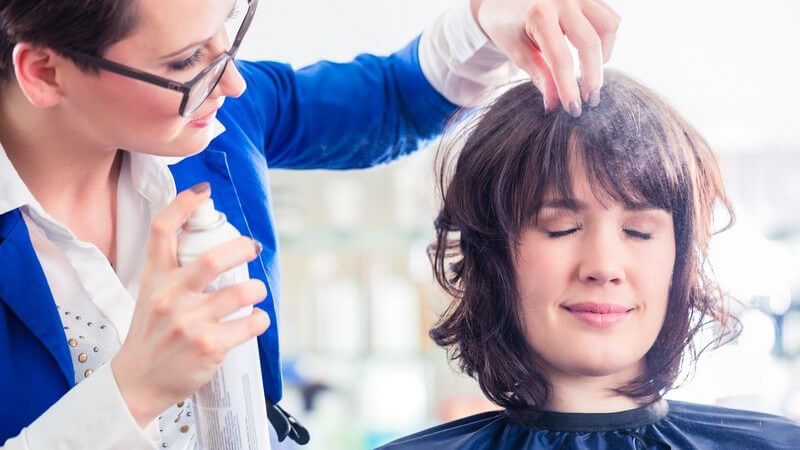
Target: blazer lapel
{"type": "Point", "coordinates": [24, 289]}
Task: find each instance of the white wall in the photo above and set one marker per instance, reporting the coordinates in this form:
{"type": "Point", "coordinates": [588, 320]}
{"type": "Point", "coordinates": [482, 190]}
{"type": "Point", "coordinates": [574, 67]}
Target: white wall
{"type": "Point", "coordinates": [730, 66]}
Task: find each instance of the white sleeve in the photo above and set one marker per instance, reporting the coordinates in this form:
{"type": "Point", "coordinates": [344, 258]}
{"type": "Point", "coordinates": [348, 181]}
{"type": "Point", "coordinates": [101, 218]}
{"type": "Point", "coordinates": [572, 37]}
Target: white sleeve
{"type": "Point", "coordinates": [459, 61]}
{"type": "Point", "coordinates": [91, 415]}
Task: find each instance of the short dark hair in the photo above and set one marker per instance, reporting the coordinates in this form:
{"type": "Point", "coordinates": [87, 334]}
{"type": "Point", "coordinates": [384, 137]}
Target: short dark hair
{"type": "Point", "coordinates": [634, 148]}
{"type": "Point", "coordinates": [88, 26]}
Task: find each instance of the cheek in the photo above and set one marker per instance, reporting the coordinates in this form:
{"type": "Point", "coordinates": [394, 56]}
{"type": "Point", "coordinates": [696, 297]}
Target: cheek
{"type": "Point", "coordinates": [539, 277]}
{"type": "Point", "coordinates": [655, 277]}
{"type": "Point", "coordinates": [149, 109]}
{"type": "Point", "coordinates": [154, 125]}
{"type": "Point", "coordinates": [652, 284]}
{"type": "Point", "coordinates": [541, 264]}
{"type": "Point", "coordinates": [135, 115]}
{"type": "Point", "coordinates": [542, 274]}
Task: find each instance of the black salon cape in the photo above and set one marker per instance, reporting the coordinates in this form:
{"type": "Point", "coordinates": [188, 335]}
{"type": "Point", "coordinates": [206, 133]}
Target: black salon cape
{"type": "Point", "coordinates": [661, 425]}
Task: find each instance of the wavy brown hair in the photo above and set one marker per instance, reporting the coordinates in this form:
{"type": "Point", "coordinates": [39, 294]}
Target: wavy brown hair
{"type": "Point", "coordinates": [635, 147]}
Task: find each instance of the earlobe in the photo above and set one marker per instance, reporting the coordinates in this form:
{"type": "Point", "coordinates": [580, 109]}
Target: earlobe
{"type": "Point", "coordinates": [35, 70]}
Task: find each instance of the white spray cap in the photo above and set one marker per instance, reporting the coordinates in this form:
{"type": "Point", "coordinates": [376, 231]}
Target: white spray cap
{"type": "Point", "coordinates": [204, 217]}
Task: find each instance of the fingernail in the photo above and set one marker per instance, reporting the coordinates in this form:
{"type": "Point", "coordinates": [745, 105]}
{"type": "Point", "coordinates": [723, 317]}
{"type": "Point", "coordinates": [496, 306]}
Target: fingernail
{"type": "Point", "coordinates": [575, 108]}
{"type": "Point", "coordinates": [594, 98]}
{"type": "Point", "coordinates": [265, 322]}
{"type": "Point", "coordinates": [258, 246]}
{"type": "Point", "coordinates": [200, 187]}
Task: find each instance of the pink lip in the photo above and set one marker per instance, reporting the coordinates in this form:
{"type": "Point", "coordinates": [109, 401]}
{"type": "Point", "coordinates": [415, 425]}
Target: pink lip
{"type": "Point", "coordinates": [599, 315]}
{"type": "Point", "coordinates": [203, 121]}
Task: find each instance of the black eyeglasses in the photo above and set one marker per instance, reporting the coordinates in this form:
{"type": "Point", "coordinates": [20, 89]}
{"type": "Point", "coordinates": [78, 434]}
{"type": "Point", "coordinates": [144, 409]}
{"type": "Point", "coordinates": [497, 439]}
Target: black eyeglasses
{"type": "Point", "coordinates": [196, 91]}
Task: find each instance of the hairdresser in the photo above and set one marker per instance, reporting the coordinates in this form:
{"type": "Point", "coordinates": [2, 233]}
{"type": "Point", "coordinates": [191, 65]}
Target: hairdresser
{"type": "Point", "coordinates": [109, 108]}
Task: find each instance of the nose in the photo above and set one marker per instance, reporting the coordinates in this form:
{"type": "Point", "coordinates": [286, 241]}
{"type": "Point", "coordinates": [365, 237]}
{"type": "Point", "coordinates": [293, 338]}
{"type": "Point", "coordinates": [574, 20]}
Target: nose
{"type": "Point", "coordinates": [231, 84]}
{"type": "Point", "coordinates": [601, 260]}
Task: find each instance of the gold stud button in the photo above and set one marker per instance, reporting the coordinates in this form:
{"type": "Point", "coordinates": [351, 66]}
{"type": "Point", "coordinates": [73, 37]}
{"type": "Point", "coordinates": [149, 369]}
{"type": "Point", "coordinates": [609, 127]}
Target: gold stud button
{"type": "Point", "coordinates": [88, 373]}
{"type": "Point", "coordinates": [180, 404]}
{"type": "Point", "coordinates": [82, 357]}
{"type": "Point", "coordinates": [184, 428]}
{"type": "Point", "coordinates": [73, 342]}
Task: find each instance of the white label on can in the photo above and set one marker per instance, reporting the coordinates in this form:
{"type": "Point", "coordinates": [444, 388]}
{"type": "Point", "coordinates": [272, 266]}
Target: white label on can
{"type": "Point", "coordinates": [221, 401]}
{"type": "Point", "coordinates": [231, 409]}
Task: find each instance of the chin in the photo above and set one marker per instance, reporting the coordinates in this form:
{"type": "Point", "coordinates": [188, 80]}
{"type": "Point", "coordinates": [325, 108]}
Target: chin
{"type": "Point", "coordinates": [600, 364]}
{"type": "Point", "coordinates": [597, 371]}
{"type": "Point", "coordinates": [194, 143]}
{"type": "Point", "coordinates": [184, 145]}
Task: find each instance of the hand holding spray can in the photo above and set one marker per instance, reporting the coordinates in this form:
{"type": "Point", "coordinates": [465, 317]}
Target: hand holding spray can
{"type": "Point", "coordinates": [230, 411]}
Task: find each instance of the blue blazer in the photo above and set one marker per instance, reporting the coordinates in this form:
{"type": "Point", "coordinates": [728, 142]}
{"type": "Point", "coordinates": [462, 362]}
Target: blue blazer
{"type": "Point", "coordinates": [326, 116]}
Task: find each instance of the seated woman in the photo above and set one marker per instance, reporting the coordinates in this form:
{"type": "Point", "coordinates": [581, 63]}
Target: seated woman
{"type": "Point", "coordinates": [575, 251]}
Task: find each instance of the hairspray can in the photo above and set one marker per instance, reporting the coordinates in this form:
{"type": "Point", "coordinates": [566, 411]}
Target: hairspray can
{"type": "Point", "coordinates": [230, 411]}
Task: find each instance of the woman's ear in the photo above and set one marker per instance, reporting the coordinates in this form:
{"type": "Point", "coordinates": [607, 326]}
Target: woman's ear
{"type": "Point", "coordinates": [37, 76]}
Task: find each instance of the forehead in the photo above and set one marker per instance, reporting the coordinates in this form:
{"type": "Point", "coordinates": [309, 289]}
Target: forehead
{"type": "Point", "coordinates": [168, 25]}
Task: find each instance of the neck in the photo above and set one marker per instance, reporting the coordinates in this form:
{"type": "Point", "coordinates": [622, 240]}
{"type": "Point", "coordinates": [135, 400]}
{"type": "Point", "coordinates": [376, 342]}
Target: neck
{"type": "Point", "coordinates": [590, 394]}
{"type": "Point", "coordinates": [62, 168]}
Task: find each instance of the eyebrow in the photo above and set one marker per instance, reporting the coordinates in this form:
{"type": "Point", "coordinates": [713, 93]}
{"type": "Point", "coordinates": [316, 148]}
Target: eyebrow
{"type": "Point", "coordinates": [575, 205]}
{"type": "Point", "coordinates": [198, 43]}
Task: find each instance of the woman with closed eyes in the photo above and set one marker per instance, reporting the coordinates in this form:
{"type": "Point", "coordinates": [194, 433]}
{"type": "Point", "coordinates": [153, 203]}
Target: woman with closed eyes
{"type": "Point", "coordinates": [575, 254]}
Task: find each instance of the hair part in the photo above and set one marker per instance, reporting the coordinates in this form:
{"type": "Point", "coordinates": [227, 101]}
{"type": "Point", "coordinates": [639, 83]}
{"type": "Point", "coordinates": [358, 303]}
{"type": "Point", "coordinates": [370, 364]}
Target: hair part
{"type": "Point", "coordinates": [634, 148]}
{"type": "Point", "coordinates": [87, 26]}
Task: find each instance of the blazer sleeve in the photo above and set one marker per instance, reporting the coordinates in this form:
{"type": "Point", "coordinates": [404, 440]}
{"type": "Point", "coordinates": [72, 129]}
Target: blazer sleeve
{"type": "Point", "coordinates": [338, 116]}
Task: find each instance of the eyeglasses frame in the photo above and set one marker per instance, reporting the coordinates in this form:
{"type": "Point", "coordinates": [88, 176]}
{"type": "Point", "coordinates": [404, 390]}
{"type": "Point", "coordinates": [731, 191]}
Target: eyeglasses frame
{"type": "Point", "coordinates": [184, 88]}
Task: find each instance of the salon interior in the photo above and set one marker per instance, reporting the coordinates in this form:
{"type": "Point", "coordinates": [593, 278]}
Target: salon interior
{"type": "Point", "coordinates": [358, 292]}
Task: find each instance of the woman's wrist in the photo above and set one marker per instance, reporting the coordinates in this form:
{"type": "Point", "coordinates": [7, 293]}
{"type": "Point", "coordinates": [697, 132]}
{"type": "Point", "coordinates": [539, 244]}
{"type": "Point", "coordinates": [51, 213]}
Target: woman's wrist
{"type": "Point", "coordinates": [139, 401]}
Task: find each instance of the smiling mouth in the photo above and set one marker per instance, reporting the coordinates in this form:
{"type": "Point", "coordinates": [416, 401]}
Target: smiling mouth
{"type": "Point", "coordinates": [203, 121]}
{"type": "Point", "coordinates": [599, 315]}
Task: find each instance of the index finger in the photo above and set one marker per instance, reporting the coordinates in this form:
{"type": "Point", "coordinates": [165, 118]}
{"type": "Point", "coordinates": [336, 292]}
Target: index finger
{"type": "Point", "coordinates": [162, 243]}
{"type": "Point", "coordinates": [200, 272]}
{"type": "Point", "coordinates": [550, 38]}
{"type": "Point", "coordinates": [586, 41]}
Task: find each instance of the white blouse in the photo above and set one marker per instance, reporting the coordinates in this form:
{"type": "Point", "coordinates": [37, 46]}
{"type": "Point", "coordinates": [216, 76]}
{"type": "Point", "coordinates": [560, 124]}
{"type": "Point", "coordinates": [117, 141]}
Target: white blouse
{"type": "Point", "coordinates": [96, 305]}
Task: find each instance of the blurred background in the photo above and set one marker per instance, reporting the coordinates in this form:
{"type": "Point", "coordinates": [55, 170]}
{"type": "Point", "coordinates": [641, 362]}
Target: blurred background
{"type": "Point", "coordinates": [358, 296]}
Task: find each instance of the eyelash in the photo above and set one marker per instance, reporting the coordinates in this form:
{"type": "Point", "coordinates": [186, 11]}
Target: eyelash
{"type": "Point", "coordinates": [639, 235]}
{"type": "Point", "coordinates": [632, 233]}
{"type": "Point", "coordinates": [188, 62]}
{"type": "Point", "coordinates": [562, 233]}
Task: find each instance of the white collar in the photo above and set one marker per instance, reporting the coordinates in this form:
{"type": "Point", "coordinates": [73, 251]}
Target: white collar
{"type": "Point", "coordinates": [15, 193]}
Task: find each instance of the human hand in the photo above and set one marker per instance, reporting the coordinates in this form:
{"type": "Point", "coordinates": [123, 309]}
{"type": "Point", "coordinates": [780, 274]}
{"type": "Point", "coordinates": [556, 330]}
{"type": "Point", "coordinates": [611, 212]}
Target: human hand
{"type": "Point", "coordinates": [531, 34]}
{"type": "Point", "coordinates": [176, 340]}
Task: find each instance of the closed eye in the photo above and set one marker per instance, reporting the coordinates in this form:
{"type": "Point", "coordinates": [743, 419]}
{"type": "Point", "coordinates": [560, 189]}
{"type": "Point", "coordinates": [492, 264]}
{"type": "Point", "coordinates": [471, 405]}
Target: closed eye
{"type": "Point", "coordinates": [561, 233]}
{"type": "Point", "coordinates": [188, 62]}
{"type": "Point", "coordinates": [638, 234]}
